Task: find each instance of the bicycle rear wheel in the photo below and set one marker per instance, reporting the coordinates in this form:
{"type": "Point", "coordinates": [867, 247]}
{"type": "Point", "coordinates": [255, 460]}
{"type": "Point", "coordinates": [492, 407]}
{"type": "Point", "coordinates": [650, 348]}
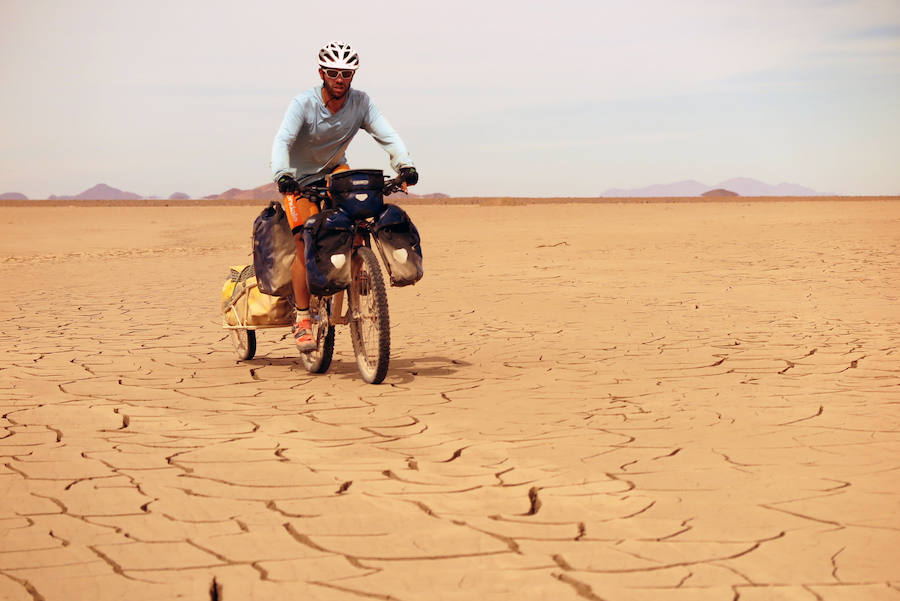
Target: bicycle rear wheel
{"type": "Point", "coordinates": [370, 327]}
{"type": "Point", "coordinates": [244, 342]}
{"type": "Point", "coordinates": [318, 361]}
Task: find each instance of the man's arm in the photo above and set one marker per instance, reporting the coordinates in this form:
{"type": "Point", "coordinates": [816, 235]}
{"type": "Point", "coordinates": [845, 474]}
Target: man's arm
{"type": "Point", "coordinates": [375, 123]}
{"type": "Point", "coordinates": [284, 139]}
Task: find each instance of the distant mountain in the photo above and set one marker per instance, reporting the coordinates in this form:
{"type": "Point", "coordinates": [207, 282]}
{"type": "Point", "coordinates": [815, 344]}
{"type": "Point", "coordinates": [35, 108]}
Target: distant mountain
{"type": "Point", "coordinates": [682, 188]}
{"type": "Point", "coordinates": [179, 196]}
{"type": "Point", "coordinates": [744, 186]}
{"type": "Point", "coordinates": [751, 187]}
{"type": "Point", "coordinates": [13, 196]}
{"type": "Point", "coordinates": [264, 192]}
{"type": "Point", "coordinates": [101, 192]}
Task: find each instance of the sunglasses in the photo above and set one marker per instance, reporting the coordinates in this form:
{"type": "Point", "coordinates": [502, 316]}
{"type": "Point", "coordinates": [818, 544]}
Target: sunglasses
{"type": "Point", "coordinates": [333, 73]}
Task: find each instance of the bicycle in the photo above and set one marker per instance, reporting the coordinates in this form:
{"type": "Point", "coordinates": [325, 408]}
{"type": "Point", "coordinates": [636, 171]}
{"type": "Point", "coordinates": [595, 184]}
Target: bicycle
{"type": "Point", "coordinates": [366, 310]}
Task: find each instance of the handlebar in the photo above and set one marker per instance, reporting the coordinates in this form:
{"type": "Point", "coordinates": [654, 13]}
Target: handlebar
{"type": "Point", "coordinates": [393, 185]}
{"type": "Point", "coordinates": [320, 193]}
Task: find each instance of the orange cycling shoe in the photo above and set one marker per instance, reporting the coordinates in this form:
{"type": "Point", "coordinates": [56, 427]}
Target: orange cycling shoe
{"type": "Point", "coordinates": [303, 335]}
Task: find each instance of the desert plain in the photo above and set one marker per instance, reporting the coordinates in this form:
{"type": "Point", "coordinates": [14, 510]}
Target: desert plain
{"type": "Point", "coordinates": [607, 401]}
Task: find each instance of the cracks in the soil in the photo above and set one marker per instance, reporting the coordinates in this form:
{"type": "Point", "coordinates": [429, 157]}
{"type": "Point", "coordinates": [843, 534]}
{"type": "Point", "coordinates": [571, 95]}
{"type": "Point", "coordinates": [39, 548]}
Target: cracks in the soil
{"type": "Point", "coordinates": [803, 516]}
{"type": "Point", "coordinates": [356, 560]}
{"type": "Point", "coordinates": [273, 506]}
{"type": "Point", "coordinates": [734, 571]}
{"type": "Point", "coordinates": [64, 542]}
{"type": "Point", "coordinates": [803, 419]}
{"type": "Point", "coordinates": [118, 569]}
{"type": "Point", "coordinates": [737, 465]}
{"type": "Point", "coordinates": [671, 454]}
{"type": "Point", "coordinates": [126, 420]}
{"type": "Point", "coordinates": [509, 541]}
{"type": "Point", "coordinates": [834, 566]}
{"type": "Point", "coordinates": [29, 588]}
{"type": "Point", "coordinates": [308, 542]}
{"type": "Point", "coordinates": [351, 591]}
{"type": "Point", "coordinates": [685, 527]}
{"type": "Point", "coordinates": [499, 476]}
{"type": "Point", "coordinates": [853, 364]}
{"type": "Point", "coordinates": [534, 501]}
{"type": "Point", "coordinates": [425, 508]}
{"type": "Point", "coordinates": [665, 566]}
{"type": "Point", "coordinates": [582, 531]}
{"type": "Point", "coordinates": [456, 454]}
{"type": "Point", "coordinates": [790, 365]}
{"type": "Point", "coordinates": [581, 589]}
{"type": "Point", "coordinates": [562, 563]}
{"type": "Point", "coordinates": [630, 486]}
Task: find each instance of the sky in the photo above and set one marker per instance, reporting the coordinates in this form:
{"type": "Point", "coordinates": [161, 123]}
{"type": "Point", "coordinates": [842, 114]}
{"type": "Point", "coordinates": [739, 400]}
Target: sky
{"type": "Point", "coordinates": [493, 98]}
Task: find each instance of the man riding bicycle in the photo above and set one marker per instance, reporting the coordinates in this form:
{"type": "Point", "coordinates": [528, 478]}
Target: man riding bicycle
{"type": "Point", "coordinates": [317, 129]}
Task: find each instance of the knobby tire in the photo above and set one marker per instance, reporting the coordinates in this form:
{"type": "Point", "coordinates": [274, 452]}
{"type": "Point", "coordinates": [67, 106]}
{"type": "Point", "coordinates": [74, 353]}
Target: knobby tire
{"type": "Point", "coordinates": [370, 327]}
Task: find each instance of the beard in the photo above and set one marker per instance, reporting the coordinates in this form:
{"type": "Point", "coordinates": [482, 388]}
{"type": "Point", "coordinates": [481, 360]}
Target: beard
{"type": "Point", "coordinates": [334, 94]}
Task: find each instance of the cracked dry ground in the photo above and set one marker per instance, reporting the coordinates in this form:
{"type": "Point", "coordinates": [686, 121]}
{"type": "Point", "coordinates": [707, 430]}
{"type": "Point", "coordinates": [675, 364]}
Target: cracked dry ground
{"type": "Point", "coordinates": [616, 402]}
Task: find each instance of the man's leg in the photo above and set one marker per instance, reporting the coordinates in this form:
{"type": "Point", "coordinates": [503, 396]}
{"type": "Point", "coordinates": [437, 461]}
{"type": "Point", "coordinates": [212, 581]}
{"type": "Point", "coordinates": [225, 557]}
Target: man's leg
{"type": "Point", "coordinates": [298, 210]}
{"type": "Point", "coordinates": [298, 275]}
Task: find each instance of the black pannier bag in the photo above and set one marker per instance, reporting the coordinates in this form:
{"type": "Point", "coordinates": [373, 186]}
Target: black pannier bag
{"type": "Point", "coordinates": [358, 192]}
{"type": "Point", "coordinates": [328, 238]}
{"type": "Point", "coordinates": [273, 251]}
{"type": "Point", "coordinates": [400, 245]}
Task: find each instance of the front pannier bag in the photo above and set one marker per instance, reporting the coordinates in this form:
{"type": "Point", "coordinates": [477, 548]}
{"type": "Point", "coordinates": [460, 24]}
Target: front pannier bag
{"type": "Point", "coordinates": [358, 192]}
{"type": "Point", "coordinates": [328, 238]}
{"type": "Point", "coordinates": [273, 251]}
{"type": "Point", "coordinates": [400, 245]}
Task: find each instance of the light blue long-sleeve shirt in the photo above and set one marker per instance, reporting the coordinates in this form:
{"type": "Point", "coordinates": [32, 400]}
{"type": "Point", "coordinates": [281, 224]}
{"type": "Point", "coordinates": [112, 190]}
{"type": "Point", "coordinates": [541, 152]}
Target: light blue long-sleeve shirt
{"type": "Point", "coordinates": [313, 140]}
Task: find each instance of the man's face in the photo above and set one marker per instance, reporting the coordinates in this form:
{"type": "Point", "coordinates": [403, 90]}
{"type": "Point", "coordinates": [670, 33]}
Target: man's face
{"type": "Point", "coordinates": [337, 81]}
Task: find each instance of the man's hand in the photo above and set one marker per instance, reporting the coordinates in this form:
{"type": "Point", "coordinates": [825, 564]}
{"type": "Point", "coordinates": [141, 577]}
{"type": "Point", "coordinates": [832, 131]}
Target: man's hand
{"type": "Point", "coordinates": [410, 175]}
{"type": "Point", "coordinates": [287, 185]}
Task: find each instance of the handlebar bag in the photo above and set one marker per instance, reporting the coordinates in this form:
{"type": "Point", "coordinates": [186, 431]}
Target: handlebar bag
{"type": "Point", "coordinates": [400, 245]}
{"type": "Point", "coordinates": [273, 251]}
{"type": "Point", "coordinates": [358, 192]}
{"type": "Point", "coordinates": [244, 305]}
{"type": "Point", "coordinates": [328, 241]}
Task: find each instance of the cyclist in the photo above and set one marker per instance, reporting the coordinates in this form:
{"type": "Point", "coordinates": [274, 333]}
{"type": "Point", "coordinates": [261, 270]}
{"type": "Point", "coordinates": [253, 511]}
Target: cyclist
{"type": "Point", "coordinates": [317, 128]}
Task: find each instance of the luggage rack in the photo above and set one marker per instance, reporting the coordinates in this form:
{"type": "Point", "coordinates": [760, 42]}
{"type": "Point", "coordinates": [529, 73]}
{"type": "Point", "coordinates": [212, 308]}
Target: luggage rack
{"type": "Point", "coordinates": [243, 334]}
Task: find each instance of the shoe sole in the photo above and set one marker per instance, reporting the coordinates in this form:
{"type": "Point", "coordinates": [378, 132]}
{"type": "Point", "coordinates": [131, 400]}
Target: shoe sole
{"type": "Point", "coordinates": [306, 347]}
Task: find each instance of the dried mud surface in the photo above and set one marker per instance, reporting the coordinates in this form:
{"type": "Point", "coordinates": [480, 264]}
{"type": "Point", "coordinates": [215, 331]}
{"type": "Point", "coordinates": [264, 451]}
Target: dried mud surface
{"type": "Point", "coordinates": [608, 402]}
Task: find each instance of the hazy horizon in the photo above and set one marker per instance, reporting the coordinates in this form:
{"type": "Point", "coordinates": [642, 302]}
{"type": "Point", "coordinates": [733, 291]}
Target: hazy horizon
{"type": "Point", "coordinates": [568, 99]}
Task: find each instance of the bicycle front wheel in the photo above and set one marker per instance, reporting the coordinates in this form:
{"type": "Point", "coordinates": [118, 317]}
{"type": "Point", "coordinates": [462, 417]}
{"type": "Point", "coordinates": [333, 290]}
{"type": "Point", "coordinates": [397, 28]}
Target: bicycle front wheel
{"type": "Point", "coordinates": [370, 327]}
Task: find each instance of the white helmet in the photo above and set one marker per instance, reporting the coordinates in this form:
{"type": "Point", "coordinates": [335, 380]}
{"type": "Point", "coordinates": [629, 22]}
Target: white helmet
{"type": "Point", "coordinates": [338, 55]}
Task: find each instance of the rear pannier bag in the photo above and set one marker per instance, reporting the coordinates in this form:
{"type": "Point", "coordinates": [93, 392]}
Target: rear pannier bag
{"type": "Point", "coordinates": [328, 238]}
{"type": "Point", "coordinates": [358, 192]}
{"type": "Point", "coordinates": [273, 251]}
{"type": "Point", "coordinates": [400, 245]}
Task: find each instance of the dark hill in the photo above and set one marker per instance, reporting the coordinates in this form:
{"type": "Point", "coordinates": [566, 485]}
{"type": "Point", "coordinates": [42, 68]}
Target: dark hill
{"type": "Point", "coordinates": [720, 192]}
{"type": "Point", "coordinates": [13, 196]}
{"type": "Point", "coordinates": [101, 192]}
